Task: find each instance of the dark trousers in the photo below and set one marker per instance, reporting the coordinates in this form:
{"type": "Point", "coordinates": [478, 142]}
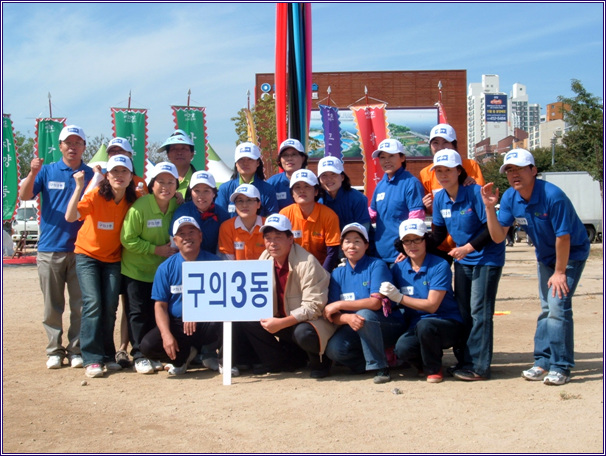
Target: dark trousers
{"type": "Point", "coordinates": [286, 352]}
{"type": "Point", "coordinates": [423, 345]}
{"type": "Point", "coordinates": [140, 311]}
{"type": "Point", "coordinates": [152, 347]}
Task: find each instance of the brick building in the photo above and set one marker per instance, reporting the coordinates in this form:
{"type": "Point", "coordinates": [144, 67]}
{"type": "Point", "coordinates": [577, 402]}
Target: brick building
{"type": "Point", "coordinates": [399, 89]}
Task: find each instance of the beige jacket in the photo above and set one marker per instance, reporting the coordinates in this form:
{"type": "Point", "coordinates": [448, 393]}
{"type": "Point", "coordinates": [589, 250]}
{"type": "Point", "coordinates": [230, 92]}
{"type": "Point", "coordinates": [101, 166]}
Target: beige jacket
{"type": "Point", "coordinates": [306, 292]}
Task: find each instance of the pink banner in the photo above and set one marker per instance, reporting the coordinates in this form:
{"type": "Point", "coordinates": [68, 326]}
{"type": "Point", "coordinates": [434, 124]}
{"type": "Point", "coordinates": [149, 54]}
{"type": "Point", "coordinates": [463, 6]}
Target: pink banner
{"type": "Point", "coordinates": [371, 123]}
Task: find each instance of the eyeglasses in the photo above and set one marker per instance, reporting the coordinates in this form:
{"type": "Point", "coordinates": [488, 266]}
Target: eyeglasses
{"type": "Point", "coordinates": [243, 202]}
{"type": "Point", "coordinates": [74, 144]}
{"type": "Point", "coordinates": [413, 241]}
{"type": "Point", "coordinates": [514, 170]}
{"type": "Point", "coordinates": [285, 155]}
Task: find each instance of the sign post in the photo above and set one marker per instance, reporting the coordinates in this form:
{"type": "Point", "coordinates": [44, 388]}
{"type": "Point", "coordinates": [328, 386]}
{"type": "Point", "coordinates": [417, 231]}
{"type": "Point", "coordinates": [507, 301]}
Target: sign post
{"type": "Point", "coordinates": [227, 291]}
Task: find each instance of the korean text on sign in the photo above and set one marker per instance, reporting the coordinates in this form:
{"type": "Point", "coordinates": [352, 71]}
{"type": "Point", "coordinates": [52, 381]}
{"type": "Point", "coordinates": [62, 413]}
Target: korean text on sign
{"type": "Point", "coordinates": [227, 290]}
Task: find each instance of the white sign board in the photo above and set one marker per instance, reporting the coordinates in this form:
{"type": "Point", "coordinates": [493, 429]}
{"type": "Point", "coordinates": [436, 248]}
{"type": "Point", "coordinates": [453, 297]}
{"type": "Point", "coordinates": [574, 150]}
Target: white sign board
{"type": "Point", "coordinates": [227, 290]}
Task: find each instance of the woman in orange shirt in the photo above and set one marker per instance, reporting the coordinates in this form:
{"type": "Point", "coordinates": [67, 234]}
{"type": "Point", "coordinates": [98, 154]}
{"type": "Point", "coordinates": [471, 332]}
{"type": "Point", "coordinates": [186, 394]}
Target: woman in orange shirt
{"type": "Point", "coordinates": [315, 227]}
{"type": "Point", "coordinates": [240, 237]}
{"type": "Point", "coordinates": [98, 253]}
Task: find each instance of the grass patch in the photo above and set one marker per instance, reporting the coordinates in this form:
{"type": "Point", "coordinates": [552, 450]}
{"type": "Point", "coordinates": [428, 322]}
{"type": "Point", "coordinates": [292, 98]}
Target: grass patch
{"type": "Point", "coordinates": [567, 396]}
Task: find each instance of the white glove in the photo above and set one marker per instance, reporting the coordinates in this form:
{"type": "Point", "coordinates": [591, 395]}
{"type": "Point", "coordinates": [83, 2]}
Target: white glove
{"type": "Point", "coordinates": [389, 290]}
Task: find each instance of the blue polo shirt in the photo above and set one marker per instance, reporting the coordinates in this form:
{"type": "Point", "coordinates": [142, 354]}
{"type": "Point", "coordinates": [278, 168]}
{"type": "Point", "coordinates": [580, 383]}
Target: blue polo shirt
{"type": "Point", "coordinates": [269, 204]}
{"type": "Point", "coordinates": [56, 184]}
{"type": "Point", "coordinates": [464, 219]}
{"type": "Point", "coordinates": [393, 200]}
{"type": "Point", "coordinates": [168, 281]}
{"type": "Point", "coordinates": [209, 226]}
{"type": "Point", "coordinates": [547, 215]}
{"type": "Point", "coordinates": [281, 184]}
{"type": "Point", "coordinates": [351, 206]}
{"type": "Point", "coordinates": [350, 284]}
{"type": "Point", "coordinates": [434, 274]}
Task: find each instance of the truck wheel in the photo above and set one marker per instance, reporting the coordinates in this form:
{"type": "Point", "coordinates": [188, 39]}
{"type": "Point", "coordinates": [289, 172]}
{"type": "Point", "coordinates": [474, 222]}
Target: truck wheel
{"type": "Point", "coordinates": [590, 233]}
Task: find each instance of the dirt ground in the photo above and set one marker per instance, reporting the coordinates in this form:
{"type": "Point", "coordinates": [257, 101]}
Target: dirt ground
{"type": "Point", "coordinates": [52, 411]}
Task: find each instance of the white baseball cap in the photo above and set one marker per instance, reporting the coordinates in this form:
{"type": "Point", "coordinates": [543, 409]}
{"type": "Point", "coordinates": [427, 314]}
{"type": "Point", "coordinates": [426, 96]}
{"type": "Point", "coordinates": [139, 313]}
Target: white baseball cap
{"type": "Point", "coordinates": [122, 143]}
{"type": "Point", "coordinates": [303, 175]}
{"type": "Point", "coordinates": [248, 150]}
{"type": "Point", "coordinates": [443, 131]}
{"type": "Point", "coordinates": [292, 143]}
{"type": "Point", "coordinates": [391, 146]}
{"type": "Point", "coordinates": [178, 137]}
{"type": "Point", "coordinates": [446, 157]}
{"type": "Point", "coordinates": [185, 220]}
{"type": "Point", "coordinates": [278, 221]}
{"type": "Point", "coordinates": [246, 190]}
{"type": "Point", "coordinates": [164, 167]}
{"type": "Point", "coordinates": [355, 227]}
{"type": "Point", "coordinates": [120, 160]}
{"type": "Point", "coordinates": [330, 165]}
{"type": "Point", "coordinates": [70, 130]}
{"type": "Point", "coordinates": [517, 157]}
{"type": "Point", "coordinates": [412, 226]}
{"type": "Point", "coordinates": [202, 177]}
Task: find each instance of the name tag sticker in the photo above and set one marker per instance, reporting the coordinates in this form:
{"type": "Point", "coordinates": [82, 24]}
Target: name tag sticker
{"type": "Point", "coordinates": [105, 226]}
{"type": "Point", "coordinates": [155, 223]}
{"type": "Point", "coordinates": [297, 234]}
{"type": "Point", "coordinates": [239, 245]}
{"type": "Point", "coordinates": [521, 220]}
{"type": "Point", "coordinates": [381, 196]}
{"type": "Point", "coordinates": [445, 213]}
{"type": "Point", "coordinates": [176, 289]}
{"type": "Point", "coordinates": [52, 185]}
{"type": "Point", "coordinates": [348, 297]}
{"type": "Point", "coordinates": [281, 195]}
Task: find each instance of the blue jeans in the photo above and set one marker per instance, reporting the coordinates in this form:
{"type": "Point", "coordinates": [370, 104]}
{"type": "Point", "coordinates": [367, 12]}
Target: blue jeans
{"type": "Point", "coordinates": [554, 337]}
{"type": "Point", "coordinates": [100, 285]}
{"type": "Point", "coordinates": [365, 349]}
{"type": "Point", "coordinates": [476, 293]}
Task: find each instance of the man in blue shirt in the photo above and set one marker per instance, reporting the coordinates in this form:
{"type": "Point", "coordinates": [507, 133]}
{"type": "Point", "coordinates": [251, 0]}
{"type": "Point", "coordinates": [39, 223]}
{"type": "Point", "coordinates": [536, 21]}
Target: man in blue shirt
{"type": "Point", "coordinates": [562, 248]}
{"type": "Point", "coordinates": [173, 338]}
{"type": "Point", "coordinates": [56, 258]}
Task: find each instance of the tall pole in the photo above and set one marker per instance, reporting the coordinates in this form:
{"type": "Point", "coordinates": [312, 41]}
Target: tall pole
{"type": "Point", "coordinates": [50, 107]}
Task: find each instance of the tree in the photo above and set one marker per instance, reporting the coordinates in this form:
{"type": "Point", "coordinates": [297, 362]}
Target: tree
{"type": "Point", "coordinates": [584, 140]}
{"type": "Point", "coordinates": [25, 150]}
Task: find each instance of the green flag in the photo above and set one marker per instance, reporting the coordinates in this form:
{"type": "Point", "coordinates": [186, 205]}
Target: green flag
{"type": "Point", "coordinates": [192, 120]}
{"type": "Point", "coordinates": [132, 125]}
{"type": "Point", "coordinates": [47, 139]}
{"type": "Point", "coordinates": [10, 176]}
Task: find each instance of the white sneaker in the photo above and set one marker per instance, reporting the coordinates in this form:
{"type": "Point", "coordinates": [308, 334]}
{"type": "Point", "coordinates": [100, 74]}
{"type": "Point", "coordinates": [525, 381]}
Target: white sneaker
{"type": "Point", "coordinates": [534, 374]}
{"type": "Point", "coordinates": [94, 371]}
{"type": "Point", "coordinates": [54, 362]}
{"type": "Point", "coordinates": [182, 369]}
{"type": "Point", "coordinates": [556, 378]}
{"type": "Point", "coordinates": [211, 363]}
{"type": "Point", "coordinates": [143, 366]}
{"type": "Point", "coordinates": [76, 361]}
{"type": "Point", "coordinates": [157, 365]}
{"type": "Point", "coordinates": [235, 372]}
{"type": "Point", "coordinates": [112, 366]}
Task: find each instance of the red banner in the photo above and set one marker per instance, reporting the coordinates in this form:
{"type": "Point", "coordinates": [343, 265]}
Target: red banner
{"type": "Point", "coordinates": [371, 123]}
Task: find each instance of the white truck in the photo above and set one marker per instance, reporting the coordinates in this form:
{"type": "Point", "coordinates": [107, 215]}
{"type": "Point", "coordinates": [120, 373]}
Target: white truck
{"type": "Point", "coordinates": [585, 195]}
{"type": "Point", "coordinates": [26, 220]}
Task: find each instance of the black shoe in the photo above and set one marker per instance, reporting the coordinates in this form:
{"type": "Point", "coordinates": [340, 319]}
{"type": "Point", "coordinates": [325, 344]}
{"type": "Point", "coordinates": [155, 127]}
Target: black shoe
{"type": "Point", "coordinates": [320, 373]}
{"type": "Point", "coordinates": [382, 376]}
{"type": "Point", "coordinates": [319, 369]}
{"type": "Point", "coordinates": [468, 375]}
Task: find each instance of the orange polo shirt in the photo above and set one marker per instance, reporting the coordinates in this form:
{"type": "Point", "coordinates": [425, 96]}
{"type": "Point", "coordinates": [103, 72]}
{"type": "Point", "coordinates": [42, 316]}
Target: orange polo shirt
{"type": "Point", "coordinates": [99, 236]}
{"type": "Point", "coordinates": [430, 183]}
{"type": "Point", "coordinates": [234, 239]}
{"type": "Point", "coordinates": [316, 232]}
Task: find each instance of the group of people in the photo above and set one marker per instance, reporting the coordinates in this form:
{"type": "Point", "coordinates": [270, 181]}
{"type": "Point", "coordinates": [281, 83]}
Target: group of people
{"type": "Point", "coordinates": [365, 285]}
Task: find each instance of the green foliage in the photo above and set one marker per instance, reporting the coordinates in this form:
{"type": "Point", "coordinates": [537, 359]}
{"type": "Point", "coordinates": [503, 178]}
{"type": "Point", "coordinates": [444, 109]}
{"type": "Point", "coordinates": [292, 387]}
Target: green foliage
{"type": "Point", "coordinates": [584, 140]}
{"type": "Point", "coordinates": [25, 150]}
{"type": "Point", "coordinates": [490, 171]}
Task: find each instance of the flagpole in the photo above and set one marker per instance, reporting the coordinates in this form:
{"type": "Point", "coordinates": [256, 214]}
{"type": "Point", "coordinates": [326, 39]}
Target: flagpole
{"type": "Point", "coordinates": [188, 95]}
{"type": "Point", "coordinates": [328, 91]}
{"type": "Point", "coordinates": [129, 93]}
{"type": "Point", "coordinates": [50, 107]}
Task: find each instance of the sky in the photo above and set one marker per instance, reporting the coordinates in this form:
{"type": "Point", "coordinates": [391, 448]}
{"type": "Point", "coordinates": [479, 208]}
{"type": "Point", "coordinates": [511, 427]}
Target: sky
{"type": "Point", "coordinates": [90, 56]}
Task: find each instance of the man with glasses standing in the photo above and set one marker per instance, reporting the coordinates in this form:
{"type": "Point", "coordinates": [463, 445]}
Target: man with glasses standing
{"type": "Point", "coordinates": [56, 258]}
{"type": "Point", "coordinates": [562, 248]}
